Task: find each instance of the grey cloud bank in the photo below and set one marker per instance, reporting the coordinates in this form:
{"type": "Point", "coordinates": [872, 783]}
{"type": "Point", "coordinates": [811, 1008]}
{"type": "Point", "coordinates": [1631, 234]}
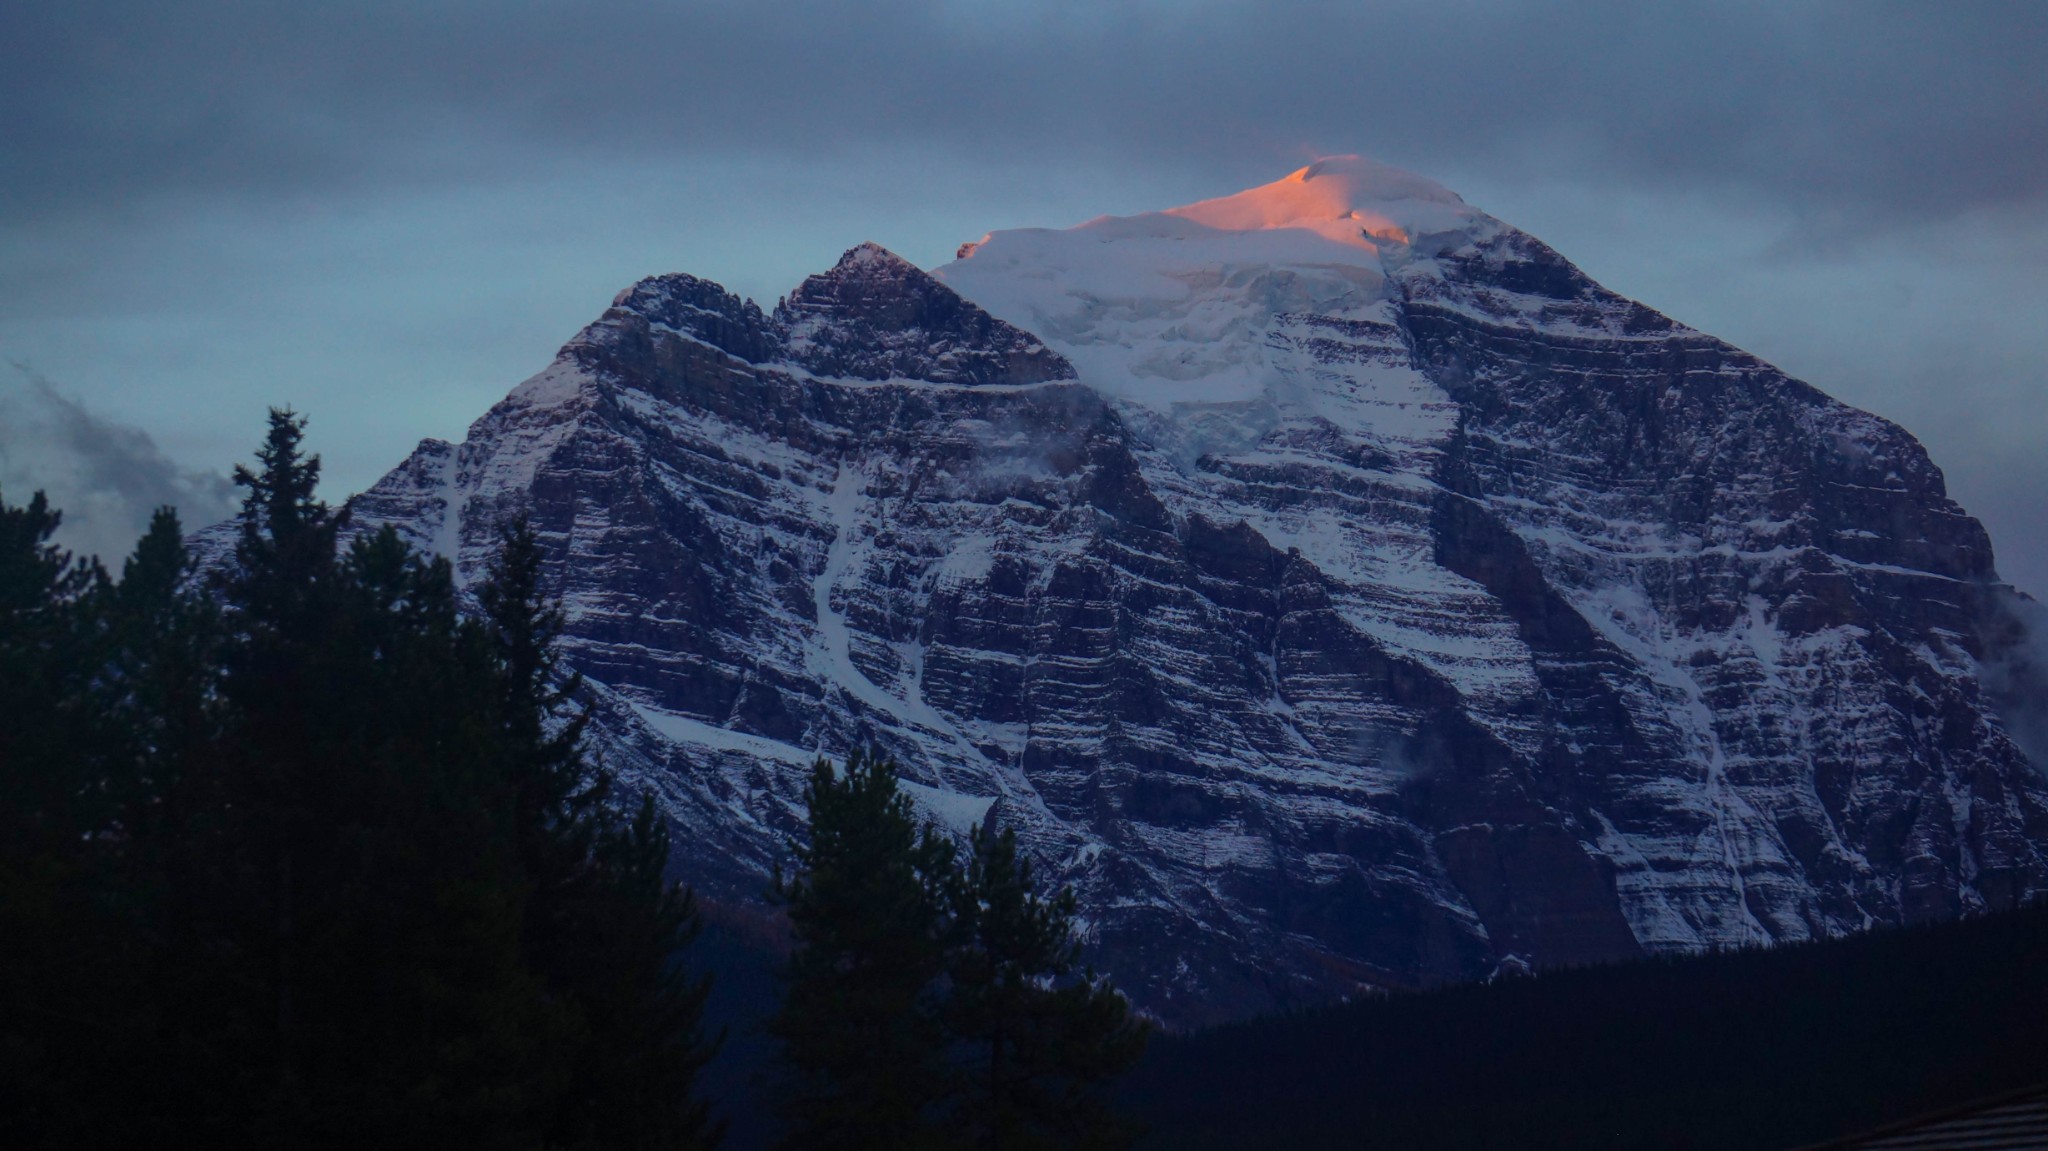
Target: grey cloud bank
{"type": "Point", "coordinates": [388, 213]}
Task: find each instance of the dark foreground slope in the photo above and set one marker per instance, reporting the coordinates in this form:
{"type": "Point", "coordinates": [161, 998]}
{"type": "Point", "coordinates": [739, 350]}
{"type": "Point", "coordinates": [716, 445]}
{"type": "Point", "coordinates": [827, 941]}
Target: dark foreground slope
{"type": "Point", "coordinates": [1753, 1049]}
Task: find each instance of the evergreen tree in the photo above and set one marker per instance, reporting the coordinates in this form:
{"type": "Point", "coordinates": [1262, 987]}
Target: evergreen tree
{"type": "Point", "coordinates": [860, 1028]}
{"type": "Point", "coordinates": [1036, 1039]}
{"type": "Point", "coordinates": [160, 680]}
{"type": "Point", "coordinates": [604, 925]}
{"type": "Point", "coordinates": [930, 1005]}
{"type": "Point", "coordinates": [370, 881]}
{"type": "Point", "coordinates": [46, 657]}
{"type": "Point", "coordinates": [632, 1083]}
{"type": "Point", "coordinates": [51, 805]}
{"type": "Point", "coordinates": [559, 800]}
{"type": "Point", "coordinates": [106, 693]}
{"type": "Point", "coordinates": [157, 690]}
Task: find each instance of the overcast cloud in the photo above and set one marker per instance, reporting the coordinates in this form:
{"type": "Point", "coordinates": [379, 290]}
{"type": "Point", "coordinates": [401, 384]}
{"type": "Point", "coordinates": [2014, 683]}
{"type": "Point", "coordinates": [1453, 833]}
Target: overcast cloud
{"type": "Point", "coordinates": [387, 213]}
{"type": "Point", "coordinates": [1858, 112]}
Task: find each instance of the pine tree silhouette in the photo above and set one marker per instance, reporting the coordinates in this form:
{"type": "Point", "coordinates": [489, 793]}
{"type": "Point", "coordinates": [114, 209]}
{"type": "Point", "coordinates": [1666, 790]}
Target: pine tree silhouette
{"type": "Point", "coordinates": [1038, 1036]}
{"type": "Point", "coordinates": [933, 1005]}
{"type": "Point", "coordinates": [862, 1040]}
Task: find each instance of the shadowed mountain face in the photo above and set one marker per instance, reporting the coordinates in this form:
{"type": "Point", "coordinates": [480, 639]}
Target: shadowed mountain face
{"type": "Point", "coordinates": [1334, 586]}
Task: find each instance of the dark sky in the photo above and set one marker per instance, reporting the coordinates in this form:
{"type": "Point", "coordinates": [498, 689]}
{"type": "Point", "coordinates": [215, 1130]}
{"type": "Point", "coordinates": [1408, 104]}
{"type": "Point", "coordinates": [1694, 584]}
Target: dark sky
{"type": "Point", "coordinates": [389, 213]}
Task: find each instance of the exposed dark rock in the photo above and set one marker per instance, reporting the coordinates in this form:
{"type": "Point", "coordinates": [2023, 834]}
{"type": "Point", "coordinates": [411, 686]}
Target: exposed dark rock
{"type": "Point", "coordinates": [875, 316]}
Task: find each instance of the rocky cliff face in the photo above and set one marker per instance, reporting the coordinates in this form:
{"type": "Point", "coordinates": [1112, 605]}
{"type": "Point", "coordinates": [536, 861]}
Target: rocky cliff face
{"type": "Point", "coordinates": [1330, 582]}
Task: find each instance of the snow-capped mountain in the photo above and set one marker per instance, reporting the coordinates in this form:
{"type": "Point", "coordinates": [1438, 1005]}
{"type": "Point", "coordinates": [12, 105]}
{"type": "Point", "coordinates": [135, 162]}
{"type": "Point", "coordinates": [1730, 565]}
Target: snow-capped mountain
{"type": "Point", "coordinates": [1330, 582]}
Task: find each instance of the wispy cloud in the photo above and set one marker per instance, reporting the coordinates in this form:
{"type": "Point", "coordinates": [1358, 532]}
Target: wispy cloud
{"type": "Point", "coordinates": [2016, 677]}
{"type": "Point", "coordinates": [106, 477]}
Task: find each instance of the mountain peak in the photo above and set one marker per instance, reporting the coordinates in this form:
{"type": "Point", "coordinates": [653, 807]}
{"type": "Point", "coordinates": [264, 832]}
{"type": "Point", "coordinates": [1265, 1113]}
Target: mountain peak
{"type": "Point", "coordinates": [1324, 240]}
{"type": "Point", "coordinates": [868, 255]}
{"type": "Point", "coordinates": [1350, 199]}
{"type": "Point", "coordinates": [877, 316]}
{"type": "Point", "coordinates": [1369, 613]}
{"type": "Point", "coordinates": [867, 277]}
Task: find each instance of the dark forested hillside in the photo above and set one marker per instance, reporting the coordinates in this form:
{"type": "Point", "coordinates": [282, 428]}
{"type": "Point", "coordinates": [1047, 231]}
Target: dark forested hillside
{"type": "Point", "coordinates": [1752, 1050]}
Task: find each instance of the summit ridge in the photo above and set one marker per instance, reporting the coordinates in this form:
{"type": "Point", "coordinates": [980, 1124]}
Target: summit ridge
{"type": "Point", "coordinates": [1348, 199]}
